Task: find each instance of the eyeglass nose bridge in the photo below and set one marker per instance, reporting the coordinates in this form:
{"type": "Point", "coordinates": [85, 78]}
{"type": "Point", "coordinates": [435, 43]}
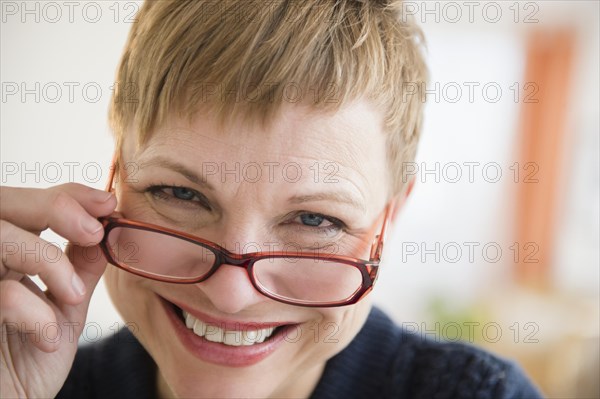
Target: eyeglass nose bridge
{"type": "Point", "coordinates": [223, 258]}
{"type": "Point", "coordinates": [231, 259]}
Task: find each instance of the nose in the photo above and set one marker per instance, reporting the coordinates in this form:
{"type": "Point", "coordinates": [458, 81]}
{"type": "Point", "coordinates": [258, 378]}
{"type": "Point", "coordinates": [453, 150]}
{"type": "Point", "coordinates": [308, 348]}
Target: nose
{"type": "Point", "coordinates": [230, 289]}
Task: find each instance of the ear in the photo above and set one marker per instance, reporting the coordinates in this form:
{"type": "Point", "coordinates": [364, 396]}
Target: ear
{"type": "Point", "coordinates": [401, 199]}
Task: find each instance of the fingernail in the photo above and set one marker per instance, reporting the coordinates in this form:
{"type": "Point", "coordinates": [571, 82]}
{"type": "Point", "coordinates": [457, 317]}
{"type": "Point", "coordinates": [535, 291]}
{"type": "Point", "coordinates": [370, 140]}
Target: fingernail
{"type": "Point", "coordinates": [78, 285]}
{"type": "Point", "coordinates": [90, 225]}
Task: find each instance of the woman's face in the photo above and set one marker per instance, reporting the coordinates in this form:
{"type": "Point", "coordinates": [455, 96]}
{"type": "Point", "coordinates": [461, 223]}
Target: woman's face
{"type": "Point", "coordinates": [307, 180]}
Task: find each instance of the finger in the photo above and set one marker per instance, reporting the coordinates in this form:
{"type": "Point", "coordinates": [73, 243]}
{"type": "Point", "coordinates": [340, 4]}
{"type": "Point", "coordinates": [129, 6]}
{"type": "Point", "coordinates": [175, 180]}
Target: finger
{"type": "Point", "coordinates": [33, 287]}
{"type": "Point", "coordinates": [70, 210]}
{"type": "Point", "coordinates": [26, 316]}
{"type": "Point", "coordinates": [26, 253]}
{"type": "Point", "coordinates": [89, 264]}
{"type": "Point", "coordinates": [95, 202]}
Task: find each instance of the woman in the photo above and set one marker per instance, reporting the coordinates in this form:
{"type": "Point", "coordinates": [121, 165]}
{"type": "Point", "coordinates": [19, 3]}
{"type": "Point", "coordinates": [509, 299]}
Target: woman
{"type": "Point", "coordinates": [259, 159]}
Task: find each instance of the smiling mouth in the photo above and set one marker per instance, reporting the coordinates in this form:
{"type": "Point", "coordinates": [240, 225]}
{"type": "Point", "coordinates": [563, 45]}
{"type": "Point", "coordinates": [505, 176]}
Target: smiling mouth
{"type": "Point", "coordinates": [242, 335]}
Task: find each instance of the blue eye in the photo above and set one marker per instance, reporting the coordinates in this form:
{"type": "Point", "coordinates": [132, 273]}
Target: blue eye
{"type": "Point", "coordinates": [311, 219]}
{"type": "Point", "coordinates": [316, 223]}
{"type": "Point", "coordinates": [183, 193]}
{"type": "Point", "coordinates": [178, 196]}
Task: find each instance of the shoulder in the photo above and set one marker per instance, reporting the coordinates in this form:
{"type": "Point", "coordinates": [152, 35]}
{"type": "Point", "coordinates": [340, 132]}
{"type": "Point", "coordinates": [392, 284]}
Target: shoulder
{"type": "Point", "coordinates": [386, 361]}
{"type": "Point", "coordinates": [117, 366]}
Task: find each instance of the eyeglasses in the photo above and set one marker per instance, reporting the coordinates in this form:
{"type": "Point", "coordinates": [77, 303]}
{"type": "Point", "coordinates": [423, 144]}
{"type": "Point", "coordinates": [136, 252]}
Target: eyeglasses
{"type": "Point", "coordinates": [305, 279]}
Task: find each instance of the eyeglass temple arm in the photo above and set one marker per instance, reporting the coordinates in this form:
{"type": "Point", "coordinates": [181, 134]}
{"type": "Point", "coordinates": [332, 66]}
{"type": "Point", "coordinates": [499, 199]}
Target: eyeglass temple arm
{"type": "Point", "coordinates": [111, 173]}
{"type": "Point", "coordinates": [377, 248]}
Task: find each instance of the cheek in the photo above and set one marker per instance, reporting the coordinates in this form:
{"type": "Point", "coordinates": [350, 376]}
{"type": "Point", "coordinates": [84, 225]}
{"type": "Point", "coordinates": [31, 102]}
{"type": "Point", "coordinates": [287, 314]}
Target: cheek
{"type": "Point", "coordinates": [132, 204]}
{"type": "Point", "coordinates": [339, 326]}
{"type": "Point", "coordinates": [111, 280]}
{"type": "Point", "coordinates": [128, 296]}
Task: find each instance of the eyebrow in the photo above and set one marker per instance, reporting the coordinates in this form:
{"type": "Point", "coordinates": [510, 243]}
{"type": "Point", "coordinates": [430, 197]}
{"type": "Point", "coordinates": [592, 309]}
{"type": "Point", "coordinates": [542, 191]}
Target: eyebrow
{"type": "Point", "coordinates": [336, 196]}
{"type": "Point", "coordinates": [179, 168]}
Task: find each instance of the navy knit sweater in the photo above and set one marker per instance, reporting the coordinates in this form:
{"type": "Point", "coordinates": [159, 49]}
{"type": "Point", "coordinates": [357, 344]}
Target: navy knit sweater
{"type": "Point", "coordinates": [383, 361]}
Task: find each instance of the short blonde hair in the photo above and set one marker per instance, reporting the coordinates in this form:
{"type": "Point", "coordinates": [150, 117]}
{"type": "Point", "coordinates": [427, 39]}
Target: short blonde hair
{"type": "Point", "coordinates": [246, 58]}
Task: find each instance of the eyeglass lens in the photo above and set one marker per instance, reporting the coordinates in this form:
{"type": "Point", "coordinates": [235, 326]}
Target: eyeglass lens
{"type": "Point", "coordinates": [310, 280]}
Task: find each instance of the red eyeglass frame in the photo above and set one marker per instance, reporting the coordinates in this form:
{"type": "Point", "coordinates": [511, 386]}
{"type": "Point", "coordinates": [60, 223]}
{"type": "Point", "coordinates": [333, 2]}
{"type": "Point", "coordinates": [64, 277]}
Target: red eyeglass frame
{"type": "Point", "coordinates": [368, 269]}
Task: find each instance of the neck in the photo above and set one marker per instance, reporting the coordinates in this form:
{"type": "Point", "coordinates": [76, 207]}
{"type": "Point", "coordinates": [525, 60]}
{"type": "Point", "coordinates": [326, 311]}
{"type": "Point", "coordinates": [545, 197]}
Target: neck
{"type": "Point", "coordinates": [163, 389]}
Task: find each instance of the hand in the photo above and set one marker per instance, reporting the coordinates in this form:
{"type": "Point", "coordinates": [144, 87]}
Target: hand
{"type": "Point", "coordinates": [40, 329]}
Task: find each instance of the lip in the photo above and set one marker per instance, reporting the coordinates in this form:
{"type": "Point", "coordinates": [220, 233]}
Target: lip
{"type": "Point", "coordinates": [221, 354]}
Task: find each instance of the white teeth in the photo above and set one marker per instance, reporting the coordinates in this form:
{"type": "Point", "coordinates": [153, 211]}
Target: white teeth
{"type": "Point", "coordinates": [213, 334]}
{"type": "Point", "coordinates": [189, 321]}
{"type": "Point", "coordinates": [198, 327]}
{"type": "Point", "coordinates": [261, 338]}
{"type": "Point", "coordinates": [233, 338]}
{"type": "Point", "coordinates": [250, 337]}
{"type": "Point", "coordinates": [227, 337]}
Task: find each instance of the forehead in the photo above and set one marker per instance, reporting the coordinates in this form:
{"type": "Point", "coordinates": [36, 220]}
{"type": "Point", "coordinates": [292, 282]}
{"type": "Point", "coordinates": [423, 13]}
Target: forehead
{"type": "Point", "coordinates": [301, 145]}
